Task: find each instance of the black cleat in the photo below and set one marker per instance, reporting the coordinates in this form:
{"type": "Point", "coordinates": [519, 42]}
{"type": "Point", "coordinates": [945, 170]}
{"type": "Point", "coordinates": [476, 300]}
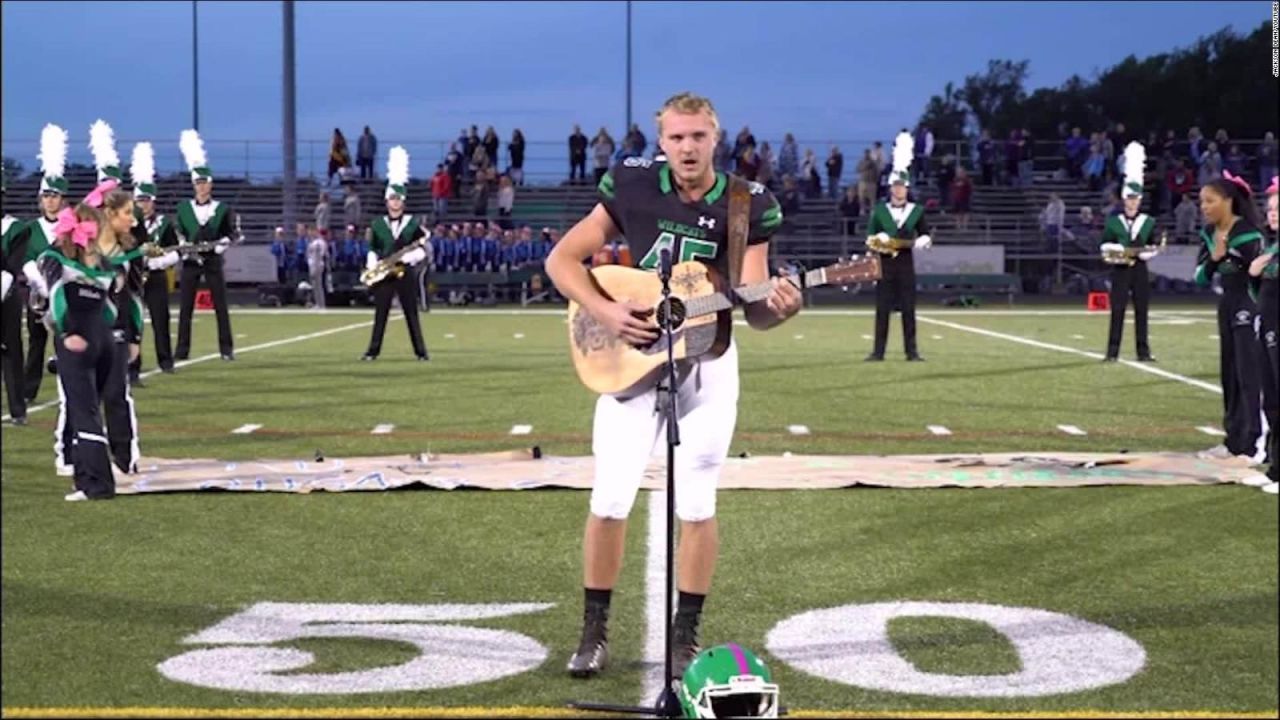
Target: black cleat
{"type": "Point", "coordinates": [136, 381]}
{"type": "Point", "coordinates": [914, 357]}
{"type": "Point", "coordinates": [168, 369]}
{"type": "Point", "coordinates": [228, 356]}
{"type": "Point", "coordinates": [874, 357]}
{"type": "Point", "coordinates": [1147, 359]}
{"type": "Point", "coordinates": [20, 420]}
{"type": "Point", "coordinates": [593, 649]}
{"type": "Point", "coordinates": [423, 357]}
{"type": "Point", "coordinates": [1110, 358]}
{"type": "Point", "coordinates": [368, 358]}
{"type": "Point", "coordinates": [684, 646]}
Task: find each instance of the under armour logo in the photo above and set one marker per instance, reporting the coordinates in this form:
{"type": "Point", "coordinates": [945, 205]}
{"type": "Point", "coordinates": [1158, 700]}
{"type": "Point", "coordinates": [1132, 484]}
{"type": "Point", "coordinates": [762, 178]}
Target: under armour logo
{"type": "Point", "coordinates": [706, 222]}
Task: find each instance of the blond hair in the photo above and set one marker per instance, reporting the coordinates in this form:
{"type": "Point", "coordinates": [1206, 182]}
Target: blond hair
{"type": "Point", "coordinates": [687, 103]}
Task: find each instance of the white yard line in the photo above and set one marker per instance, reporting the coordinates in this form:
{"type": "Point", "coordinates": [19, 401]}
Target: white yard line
{"type": "Point", "coordinates": [939, 430]}
{"type": "Point", "coordinates": [1072, 430]}
{"type": "Point", "coordinates": [521, 429]}
{"type": "Point", "coordinates": [382, 429]}
{"type": "Point", "coordinates": [1210, 430]}
{"type": "Point", "coordinates": [655, 606]}
{"type": "Point", "coordinates": [798, 429]}
{"type": "Point", "coordinates": [245, 429]}
{"type": "Point", "coordinates": [239, 351]}
{"type": "Point", "coordinates": [1144, 367]}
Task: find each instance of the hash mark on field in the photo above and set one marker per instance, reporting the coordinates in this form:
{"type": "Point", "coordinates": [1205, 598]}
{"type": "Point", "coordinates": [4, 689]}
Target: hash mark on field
{"type": "Point", "coordinates": [449, 336]}
{"type": "Point", "coordinates": [245, 429]}
{"type": "Point", "coordinates": [1072, 430]}
{"type": "Point", "coordinates": [1211, 430]}
{"type": "Point", "coordinates": [382, 429]}
{"type": "Point", "coordinates": [866, 337]}
{"type": "Point", "coordinates": [799, 337]}
{"type": "Point", "coordinates": [1077, 337]}
{"type": "Point", "coordinates": [741, 323]}
{"type": "Point", "coordinates": [518, 336]}
{"type": "Point", "coordinates": [1214, 337]}
{"type": "Point", "coordinates": [937, 337]}
{"type": "Point", "coordinates": [521, 429]}
{"type": "Point", "coordinates": [939, 430]}
{"type": "Point", "coordinates": [798, 429]}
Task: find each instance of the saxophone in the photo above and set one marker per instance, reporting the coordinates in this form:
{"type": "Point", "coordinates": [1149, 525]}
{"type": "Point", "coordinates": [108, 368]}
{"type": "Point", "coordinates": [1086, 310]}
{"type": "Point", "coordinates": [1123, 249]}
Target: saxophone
{"type": "Point", "coordinates": [389, 266]}
{"type": "Point", "coordinates": [891, 247]}
{"type": "Point", "coordinates": [1129, 256]}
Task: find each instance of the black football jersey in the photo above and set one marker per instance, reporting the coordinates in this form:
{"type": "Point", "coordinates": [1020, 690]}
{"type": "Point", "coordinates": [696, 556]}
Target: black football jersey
{"type": "Point", "coordinates": [641, 197]}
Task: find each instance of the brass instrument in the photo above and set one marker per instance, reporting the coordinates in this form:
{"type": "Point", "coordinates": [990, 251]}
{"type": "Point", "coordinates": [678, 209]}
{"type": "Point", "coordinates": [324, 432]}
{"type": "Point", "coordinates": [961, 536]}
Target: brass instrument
{"type": "Point", "coordinates": [891, 247]}
{"type": "Point", "coordinates": [389, 266]}
{"type": "Point", "coordinates": [1129, 256]}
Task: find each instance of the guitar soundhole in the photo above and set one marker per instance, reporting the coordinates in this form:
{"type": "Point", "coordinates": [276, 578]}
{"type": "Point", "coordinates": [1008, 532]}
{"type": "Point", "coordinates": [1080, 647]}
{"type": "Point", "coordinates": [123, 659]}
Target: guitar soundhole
{"type": "Point", "coordinates": [677, 313]}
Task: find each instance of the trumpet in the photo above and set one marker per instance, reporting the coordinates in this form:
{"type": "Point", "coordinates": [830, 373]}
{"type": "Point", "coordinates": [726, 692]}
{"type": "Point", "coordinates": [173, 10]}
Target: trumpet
{"type": "Point", "coordinates": [389, 266]}
{"type": "Point", "coordinates": [1129, 256]}
{"type": "Point", "coordinates": [890, 247]}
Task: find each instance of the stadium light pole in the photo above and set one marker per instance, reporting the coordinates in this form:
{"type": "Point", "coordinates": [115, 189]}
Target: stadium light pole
{"type": "Point", "coordinates": [195, 67]}
{"type": "Point", "coordinates": [290, 137]}
{"type": "Point", "coordinates": [627, 129]}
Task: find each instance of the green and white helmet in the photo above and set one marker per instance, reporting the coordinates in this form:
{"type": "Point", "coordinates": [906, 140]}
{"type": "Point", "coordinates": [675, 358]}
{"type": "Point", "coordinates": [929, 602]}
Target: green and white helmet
{"type": "Point", "coordinates": [728, 681]}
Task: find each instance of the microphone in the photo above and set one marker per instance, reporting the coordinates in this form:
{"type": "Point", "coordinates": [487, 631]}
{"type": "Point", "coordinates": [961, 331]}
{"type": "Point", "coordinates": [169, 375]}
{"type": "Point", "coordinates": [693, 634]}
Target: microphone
{"type": "Point", "coordinates": [664, 263]}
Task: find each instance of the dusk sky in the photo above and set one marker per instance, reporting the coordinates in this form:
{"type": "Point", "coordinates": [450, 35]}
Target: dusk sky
{"type": "Point", "coordinates": [420, 71]}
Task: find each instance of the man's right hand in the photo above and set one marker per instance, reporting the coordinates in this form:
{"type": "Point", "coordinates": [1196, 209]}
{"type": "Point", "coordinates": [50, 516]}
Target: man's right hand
{"type": "Point", "coordinates": [630, 321]}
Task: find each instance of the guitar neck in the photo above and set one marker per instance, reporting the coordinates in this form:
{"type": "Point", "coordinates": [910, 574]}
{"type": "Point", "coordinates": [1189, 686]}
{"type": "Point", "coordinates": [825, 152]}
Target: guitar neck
{"type": "Point", "coordinates": [747, 294]}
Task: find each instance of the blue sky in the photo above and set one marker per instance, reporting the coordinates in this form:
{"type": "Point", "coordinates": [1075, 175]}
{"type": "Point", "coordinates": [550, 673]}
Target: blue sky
{"type": "Point", "coordinates": [822, 70]}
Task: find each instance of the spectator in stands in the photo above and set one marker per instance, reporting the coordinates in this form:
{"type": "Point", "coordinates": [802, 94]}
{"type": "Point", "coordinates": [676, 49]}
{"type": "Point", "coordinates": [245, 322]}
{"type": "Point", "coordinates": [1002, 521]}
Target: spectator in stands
{"type": "Point", "coordinates": [1052, 218]}
{"type": "Point", "coordinates": [635, 142]}
{"type": "Point", "coordinates": [491, 144]}
{"type": "Point", "coordinates": [924, 152]}
{"type": "Point", "coordinates": [1082, 232]}
{"type": "Point", "coordinates": [987, 157]}
{"type": "Point", "coordinates": [602, 149]}
{"type": "Point", "coordinates": [809, 175]}
{"type": "Point", "coordinates": [1179, 180]}
{"type": "Point", "coordinates": [1222, 138]}
{"type": "Point", "coordinates": [868, 173]}
{"type": "Point", "coordinates": [350, 254]}
{"type": "Point", "coordinates": [506, 201]}
{"type": "Point", "coordinates": [790, 200]}
{"type": "Point", "coordinates": [515, 149]}
{"type": "Point", "coordinates": [1012, 156]}
{"type": "Point", "coordinates": [1169, 145]}
{"type": "Point", "coordinates": [318, 265]}
{"type": "Point", "coordinates": [480, 192]}
{"type": "Point", "coordinates": [749, 163]}
{"type": "Point", "coordinates": [1026, 159]}
{"type": "Point", "coordinates": [441, 191]}
{"type": "Point", "coordinates": [445, 253]}
{"type": "Point", "coordinates": [1195, 145]}
{"type": "Point", "coordinates": [479, 160]}
{"type": "Point", "coordinates": [1210, 164]}
{"type": "Point", "coordinates": [960, 196]}
{"type": "Point", "coordinates": [946, 173]}
{"type": "Point", "coordinates": [788, 157]}
{"type": "Point", "coordinates": [835, 168]}
{"type": "Point", "coordinates": [766, 173]}
{"type": "Point", "coordinates": [722, 155]}
{"type": "Point", "coordinates": [577, 155]}
{"type": "Point", "coordinates": [849, 211]}
{"type": "Point", "coordinates": [1186, 219]}
{"type": "Point", "coordinates": [339, 155]}
{"type": "Point", "coordinates": [366, 152]}
{"type": "Point", "coordinates": [1094, 166]}
{"type": "Point", "coordinates": [323, 212]}
{"type": "Point", "coordinates": [472, 141]}
{"type": "Point", "coordinates": [1121, 135]}
{"type": "Point", "coordinates": [454, 162]}
{"type": "Point", "coordinates": [1267, 159]}
{"type": "Point", "coordinates": [298, 267]}
{"type": "Point", "coordinates": [1108, 155]}
{"type": "Point", "coordinates": [877, 154]}
{"type": "Point", "coordinates": [281, 253]}
{"type": "Point", "coordinates": [352, 208]}
{"type": "Point", "coordinates": [1234, 161]}
{"type": "Point", "coordinates": [744, 140]}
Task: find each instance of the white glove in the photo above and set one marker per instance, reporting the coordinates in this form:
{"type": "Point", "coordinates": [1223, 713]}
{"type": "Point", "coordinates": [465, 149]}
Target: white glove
{"type": "Point", "coordinates": [1147, 255]}
{"type": "Point", "coordinates": [1112, 248]}
{"type": "Point", "coordinates": [924, 242]}
{"type": "Point", "coordinates": [6, 282]}
{"type": "Point", "coordinates": [161, 262]}
{"type": "Point", "coordinates": [415, 256]}
{"type": "Point", "coordinates": [370, 260]}
{"type": "Point", "coordinates": [222, 245]}
{"type": "Point", "coordinates": [34, 279]}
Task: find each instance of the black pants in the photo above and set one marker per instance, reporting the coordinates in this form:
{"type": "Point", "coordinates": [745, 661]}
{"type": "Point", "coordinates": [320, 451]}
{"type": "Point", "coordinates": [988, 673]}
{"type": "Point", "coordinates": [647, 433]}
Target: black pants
{"type": "Point", "coordinates": [896, 287]}
{"type": "Point", "coordinates": [1240, 372]}
{"type": "Point", "coordinates": [578, 167]}
{"type": "Point", "coordinates": [406, 288]}
{"type": "Point", "coordinates": [1268, 310]}
{"type": "Point", "coordinates": [156, 293]}
{"type": "Point", "coordinates": [14, 381]}
{"type": "Point", "coordinates": [191, 274]}
{"type": "Point", "coordinates": [1126, 280]}
{"type": "Point", "coordinates": [38, 339]}
{"type": "Point", "coordinates": [80, 376]}
{"type": "Point", "coordinates": [366, 167]}
{"type": "Point", "coordinates": [600, 173]}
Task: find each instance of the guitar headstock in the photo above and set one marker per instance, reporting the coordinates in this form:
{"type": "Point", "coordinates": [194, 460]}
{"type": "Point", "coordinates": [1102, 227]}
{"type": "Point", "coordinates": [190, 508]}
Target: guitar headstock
{"type": "Point", "coordinates": [853, 270]}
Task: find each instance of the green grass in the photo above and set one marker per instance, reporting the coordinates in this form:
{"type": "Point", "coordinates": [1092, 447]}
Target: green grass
{"type": "Point", "coordinates": [95, 595]}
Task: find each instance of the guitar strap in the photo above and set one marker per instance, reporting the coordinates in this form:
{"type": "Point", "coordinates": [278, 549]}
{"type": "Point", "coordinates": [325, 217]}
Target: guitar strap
{"type": "Point", "coordinates": [739, 225]}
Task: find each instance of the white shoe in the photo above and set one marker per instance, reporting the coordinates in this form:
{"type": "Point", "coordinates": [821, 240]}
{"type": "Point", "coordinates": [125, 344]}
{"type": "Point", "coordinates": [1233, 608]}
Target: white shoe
{"type": "Point", "coordinates": [1272, 488]}
{"type": "Point", "coordinates": [1256, 481]}
{"type": "Point", "coordinates": [76, 496]}
{"type": "Point", "coordinates": [1217, 452]}
{"type": "Point", "coordinates": [65, 470]}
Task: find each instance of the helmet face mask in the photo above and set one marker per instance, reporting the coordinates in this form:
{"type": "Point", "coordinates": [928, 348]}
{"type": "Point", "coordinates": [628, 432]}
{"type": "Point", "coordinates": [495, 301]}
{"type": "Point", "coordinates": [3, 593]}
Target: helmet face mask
{"type": "Point", "coordinates": [728, 681]}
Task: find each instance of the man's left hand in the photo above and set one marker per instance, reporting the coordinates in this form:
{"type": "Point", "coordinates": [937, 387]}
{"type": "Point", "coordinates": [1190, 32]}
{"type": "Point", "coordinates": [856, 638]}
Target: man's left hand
{"type": "Point", "coordinates": [784, 298]}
